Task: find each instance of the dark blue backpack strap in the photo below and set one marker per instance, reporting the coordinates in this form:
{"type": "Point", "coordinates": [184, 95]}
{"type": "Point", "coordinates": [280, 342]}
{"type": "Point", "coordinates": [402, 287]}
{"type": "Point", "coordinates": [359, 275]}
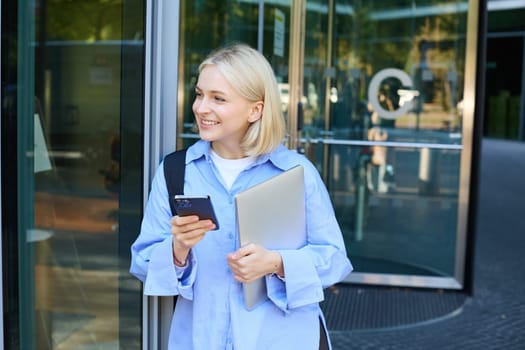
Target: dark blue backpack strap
{"type": "Point", "coordinates": [174, 169]}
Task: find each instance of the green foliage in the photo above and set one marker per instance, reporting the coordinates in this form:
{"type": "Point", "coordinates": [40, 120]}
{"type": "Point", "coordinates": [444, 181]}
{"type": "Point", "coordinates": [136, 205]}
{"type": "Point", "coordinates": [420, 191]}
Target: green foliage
{"type": "Point", "coordinates": [83, 20]}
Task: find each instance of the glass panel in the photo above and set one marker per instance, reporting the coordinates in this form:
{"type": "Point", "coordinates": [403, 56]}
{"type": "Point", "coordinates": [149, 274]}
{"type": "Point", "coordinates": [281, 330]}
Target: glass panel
{"type": "Point", "coordinates": [277, 18]}
{"type": "Point", "coordinates": [505, 74]}
{"type": "Point", "coordinates": [230, 21]}
{"type": "Point", "coordinates": [383, 83]}
{"type": "Point", "coordinates": [392, 223]}
{"type": "Point", "coordinates": [80, 142]}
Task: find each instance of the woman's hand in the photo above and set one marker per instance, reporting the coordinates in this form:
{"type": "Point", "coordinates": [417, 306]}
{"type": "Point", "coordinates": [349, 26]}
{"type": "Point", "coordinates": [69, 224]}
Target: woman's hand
{"type": "Point", "coordinates": [253, 261]}
{"type": "Point", "coordinates": [187, 231]}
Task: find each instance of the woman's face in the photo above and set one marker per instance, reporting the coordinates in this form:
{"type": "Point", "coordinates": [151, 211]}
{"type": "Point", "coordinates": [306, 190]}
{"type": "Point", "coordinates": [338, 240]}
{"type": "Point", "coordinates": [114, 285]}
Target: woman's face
{"type": "Point", "coordinates": [222, 115]}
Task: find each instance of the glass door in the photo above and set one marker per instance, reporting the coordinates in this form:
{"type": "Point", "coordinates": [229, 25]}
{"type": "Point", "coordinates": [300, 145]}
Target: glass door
{"type": "Point", "coordinates": [373, 93]}
{"type": "Point", "coordinates": [72, 163]}
{"type": "Point", "coordinates": [382, 98]}
{"type": "Point", "coordinates": [263, 25]}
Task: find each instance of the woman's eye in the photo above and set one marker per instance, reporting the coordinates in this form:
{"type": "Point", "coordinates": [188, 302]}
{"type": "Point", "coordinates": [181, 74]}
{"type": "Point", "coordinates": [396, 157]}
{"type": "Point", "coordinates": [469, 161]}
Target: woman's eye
{"type": "Point", "coordinates": [220, 99]}
{"type": "Point", "coordinates": [197, 94]}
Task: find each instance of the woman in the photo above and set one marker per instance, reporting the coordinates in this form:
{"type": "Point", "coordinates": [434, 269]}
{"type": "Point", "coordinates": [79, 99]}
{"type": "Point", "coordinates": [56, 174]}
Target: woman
{"type": "Point", "coordinates": [241, 128]}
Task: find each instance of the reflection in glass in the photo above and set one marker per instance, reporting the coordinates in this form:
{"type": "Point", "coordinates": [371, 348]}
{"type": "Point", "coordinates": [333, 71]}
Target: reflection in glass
{"type": "Point", "coordinates": [225, 22]}
{"type": "Point", "coordinates": [504, 115]}
{"type": "Point", "coordinates": [231, 21]}
{"type": "Point", "coordinates": [381, 74]}
{"type": "Point", "coordinates": [382, 98]}
{"type": "Point", "coordinates": [82, 149]}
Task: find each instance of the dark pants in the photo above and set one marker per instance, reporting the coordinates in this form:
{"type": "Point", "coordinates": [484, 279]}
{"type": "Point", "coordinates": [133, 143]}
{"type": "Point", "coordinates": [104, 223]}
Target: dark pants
{"type": "Point", "coordinates": [323, 342]}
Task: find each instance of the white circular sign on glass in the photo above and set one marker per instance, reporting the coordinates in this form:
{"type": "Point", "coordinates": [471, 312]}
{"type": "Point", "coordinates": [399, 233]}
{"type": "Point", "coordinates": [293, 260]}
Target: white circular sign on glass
{"type": "Point", "coordinates": [406, 96]}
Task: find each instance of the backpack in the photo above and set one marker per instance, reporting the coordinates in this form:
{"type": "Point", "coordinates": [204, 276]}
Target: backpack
{"type": "Point", "coordinates": [174, 170]}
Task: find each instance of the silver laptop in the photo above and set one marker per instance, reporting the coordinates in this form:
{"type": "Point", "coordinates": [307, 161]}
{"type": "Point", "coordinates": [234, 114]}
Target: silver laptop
{"type": "Point", "coordinates": [272, 214]}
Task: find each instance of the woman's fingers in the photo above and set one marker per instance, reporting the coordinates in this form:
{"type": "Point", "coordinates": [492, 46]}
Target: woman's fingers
{"type": "Point", "coordinates": [250, 262]}
{"type": "Point", "coordinates": [183, 223]}
{"type": "Point", "coordinates": [189, 230]}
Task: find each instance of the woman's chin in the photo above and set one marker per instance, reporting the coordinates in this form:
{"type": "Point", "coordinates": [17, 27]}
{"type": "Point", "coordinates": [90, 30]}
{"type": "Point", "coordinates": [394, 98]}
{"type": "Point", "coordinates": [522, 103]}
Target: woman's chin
{"type": "Point", "coordinates": [206, 136]}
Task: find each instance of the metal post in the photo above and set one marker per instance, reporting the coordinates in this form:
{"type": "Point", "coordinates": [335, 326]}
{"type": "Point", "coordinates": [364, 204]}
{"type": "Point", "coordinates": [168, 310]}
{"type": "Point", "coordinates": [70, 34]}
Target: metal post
{"type": "Point", "coordinates": [521, 131]}
{"type": "Point", "coordinates": [360, 200]}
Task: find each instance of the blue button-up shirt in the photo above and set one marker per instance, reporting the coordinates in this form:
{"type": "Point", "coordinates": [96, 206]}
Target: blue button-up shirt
{"type": "Point", "coordinates": [210, 311]}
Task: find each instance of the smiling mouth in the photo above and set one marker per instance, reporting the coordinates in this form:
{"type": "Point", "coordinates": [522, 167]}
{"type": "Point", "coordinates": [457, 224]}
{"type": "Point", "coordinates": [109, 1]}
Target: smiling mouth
{"type": "Point", "coordinates": [208, 122]}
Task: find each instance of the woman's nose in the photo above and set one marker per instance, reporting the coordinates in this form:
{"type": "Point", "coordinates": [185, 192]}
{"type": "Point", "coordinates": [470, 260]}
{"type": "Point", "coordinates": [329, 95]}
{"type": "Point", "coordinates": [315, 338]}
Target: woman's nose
{"type": "Point", "coordinates": [201, 105]}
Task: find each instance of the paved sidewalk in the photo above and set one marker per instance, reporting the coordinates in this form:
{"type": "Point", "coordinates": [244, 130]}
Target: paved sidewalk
{"type": "Point", "coordinates": [494, 316]}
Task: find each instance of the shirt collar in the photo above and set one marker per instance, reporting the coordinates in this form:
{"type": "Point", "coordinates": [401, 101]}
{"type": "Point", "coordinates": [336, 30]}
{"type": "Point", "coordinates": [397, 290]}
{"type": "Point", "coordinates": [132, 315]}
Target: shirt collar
{"type": "Point", "coordinates": [198, 150]}
{"type": "Point", "coordinates": [278, 157]}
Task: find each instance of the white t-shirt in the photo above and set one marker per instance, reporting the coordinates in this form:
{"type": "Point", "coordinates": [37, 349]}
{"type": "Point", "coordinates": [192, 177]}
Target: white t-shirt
{"type": "Point", "coordinates": [230, 168]}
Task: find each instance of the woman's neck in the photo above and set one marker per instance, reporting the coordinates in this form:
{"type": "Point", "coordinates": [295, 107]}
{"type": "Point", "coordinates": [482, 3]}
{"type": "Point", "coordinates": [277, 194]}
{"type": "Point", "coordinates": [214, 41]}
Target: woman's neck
{"type": "Point", "coordinates": [228, 152]}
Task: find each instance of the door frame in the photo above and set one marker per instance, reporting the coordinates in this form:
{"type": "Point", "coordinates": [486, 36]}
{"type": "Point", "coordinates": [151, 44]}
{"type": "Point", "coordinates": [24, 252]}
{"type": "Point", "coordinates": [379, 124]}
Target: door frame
{"type": "Point", "coordinates": [161, 80]}
{"type": "Point", "coordinates": [471, 138]}
{"type": "Point", "coordinates": [164, 119]}
{"type": "Point", "coordinates": [296, 69]}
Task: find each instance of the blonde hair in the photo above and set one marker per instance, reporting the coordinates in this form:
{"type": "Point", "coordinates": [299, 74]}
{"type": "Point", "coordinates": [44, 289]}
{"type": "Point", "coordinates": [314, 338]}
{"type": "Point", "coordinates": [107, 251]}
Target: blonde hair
{"type": "Point", "coordinates": [251, 75]}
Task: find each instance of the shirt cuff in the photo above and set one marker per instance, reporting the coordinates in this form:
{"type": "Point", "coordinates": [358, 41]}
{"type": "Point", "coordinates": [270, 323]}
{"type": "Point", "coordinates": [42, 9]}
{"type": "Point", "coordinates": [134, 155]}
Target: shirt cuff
{"type": "Point", "coordinates": [180, 270]}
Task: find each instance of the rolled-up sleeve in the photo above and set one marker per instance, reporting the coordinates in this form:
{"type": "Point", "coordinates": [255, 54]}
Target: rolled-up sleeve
{"type": "Point", "coordinates": [152, 252]}
{"type": "Point", "coordinates": [301, 286]}
{"type": "Point", "coordinates": [164, 278]}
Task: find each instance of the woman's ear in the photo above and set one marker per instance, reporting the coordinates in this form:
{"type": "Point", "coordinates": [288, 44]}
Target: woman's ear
{"type": "Point", "coordinates": [256, 112]}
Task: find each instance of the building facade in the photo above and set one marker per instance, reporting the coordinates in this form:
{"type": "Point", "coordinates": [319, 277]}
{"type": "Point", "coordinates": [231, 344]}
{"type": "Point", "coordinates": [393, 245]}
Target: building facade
{"type": "Point", "coordinates": [386, 98]}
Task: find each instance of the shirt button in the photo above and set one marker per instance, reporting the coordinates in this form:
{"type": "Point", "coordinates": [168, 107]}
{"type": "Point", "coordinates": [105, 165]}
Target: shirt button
{"type": "Point", "coordinates": [230, 235]}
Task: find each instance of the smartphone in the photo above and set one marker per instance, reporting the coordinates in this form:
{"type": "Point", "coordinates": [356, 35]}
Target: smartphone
{"type": "Point", "coordinates": [196, 205]}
